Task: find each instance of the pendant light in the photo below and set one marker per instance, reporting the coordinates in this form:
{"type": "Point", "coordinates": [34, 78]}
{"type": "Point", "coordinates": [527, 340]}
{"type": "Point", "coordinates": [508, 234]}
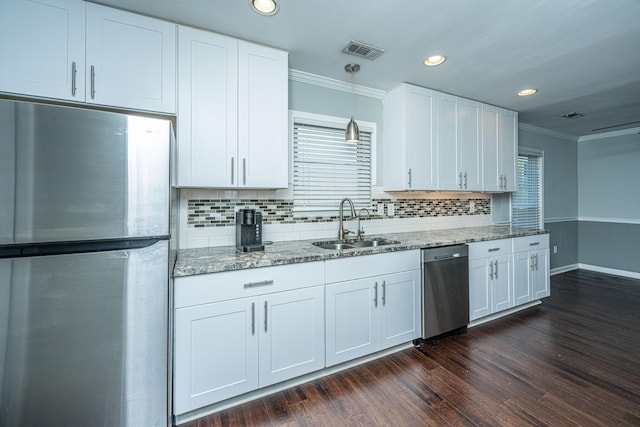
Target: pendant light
{"type": "Point", "coordinates": [352, 133]}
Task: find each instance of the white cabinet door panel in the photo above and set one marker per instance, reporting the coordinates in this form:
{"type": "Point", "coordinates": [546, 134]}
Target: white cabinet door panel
{"type": "Point", "coordinates": [207, 109]}
{"type": "Point", "coordinates": [469, 144]}
{"type": "Point", "coordinates": [540, 274]}
{"type": "Point", "coordinates": [351, 324]}
{"type": "Point", "coordinates": [291, 334]}
{"type": "Point", "coordinates": [479, 288]}
{"type": "Point", "coordinates": [447, 151]}
{"type": "Point", "coordinates": [40, 42]}
{"type": "Point", "coordinates": [502, 297]}
{"type": "Point", "coordinates": [420, 137]}
{"type": "Point", "coordinates": [490, 166]}
{"type": "Point", "coordinates": [522, 277]}
{"type": "Point", "coordinates": [216, 353]}
{"type": "Point", "coordinates": [400, 309]}
{"type": "Point", "coordinates": [131, 60]}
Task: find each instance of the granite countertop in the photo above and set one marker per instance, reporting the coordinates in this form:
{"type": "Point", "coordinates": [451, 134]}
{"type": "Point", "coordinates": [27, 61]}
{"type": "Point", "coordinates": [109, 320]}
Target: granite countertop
{"type": "Point", "coordinates": [226, 258]}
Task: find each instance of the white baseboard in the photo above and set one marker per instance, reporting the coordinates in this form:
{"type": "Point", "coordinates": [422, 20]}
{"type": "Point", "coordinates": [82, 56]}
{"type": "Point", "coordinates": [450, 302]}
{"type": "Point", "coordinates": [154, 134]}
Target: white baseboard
{"type": "Point", "coordinates": [564, 269]}
{"type": "Point", "coordinates": [613, 271]}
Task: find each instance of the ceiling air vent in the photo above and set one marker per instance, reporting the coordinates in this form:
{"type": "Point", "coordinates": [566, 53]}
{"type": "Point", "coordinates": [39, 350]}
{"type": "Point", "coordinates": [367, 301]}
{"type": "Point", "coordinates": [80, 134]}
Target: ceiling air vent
{"type": "Point", "coordinates": [572, 115]}
{"type": "Point", "coordinates": [363, 50]}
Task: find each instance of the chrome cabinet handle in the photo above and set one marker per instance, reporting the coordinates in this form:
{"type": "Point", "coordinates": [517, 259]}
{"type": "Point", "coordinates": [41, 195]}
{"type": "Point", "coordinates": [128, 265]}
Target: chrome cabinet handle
{"type": "Point", "coordinates": [233, 167]}
{"type": "Point", "coordinates": [536, 261]}
{"type": "Point", "coordinates": [253, 318]}
{"type": "Point", "coordinates": [490, 270]}
{"type": "Point", "coordinates": [265, 316]}
{"type": "Point", "coordinates": [384, 292]}
{"type": "Point", "coordinates": [460, 179]}
{"type": "Point", "coordinates": [409, 177]}
{"type": "Point", "coordinates": [532, 264]}
{"type": "Point", "coordinates": [496, 263]}
{"type": "Point", "coordinates": [465, 180]}
{"type": "Point", "coordinates": [244, 171]}
{"type": "Point", "coordinates": [74, 71]}
{"type": "Point", "coordinates": [93, 82]}
{"type": "Point", "coordinates": [505, 182]}
{"type": "Point", "coordinates": [256, 284]}
{"type": "Point", "coordinates": [375, 295]}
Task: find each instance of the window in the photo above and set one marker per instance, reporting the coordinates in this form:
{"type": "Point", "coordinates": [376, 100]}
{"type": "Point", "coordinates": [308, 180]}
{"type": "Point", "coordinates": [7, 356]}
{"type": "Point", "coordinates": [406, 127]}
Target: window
{"type": "Point", "coordinates": [526, 203]}
{"type": "Point", "coordinates": [327, 169]}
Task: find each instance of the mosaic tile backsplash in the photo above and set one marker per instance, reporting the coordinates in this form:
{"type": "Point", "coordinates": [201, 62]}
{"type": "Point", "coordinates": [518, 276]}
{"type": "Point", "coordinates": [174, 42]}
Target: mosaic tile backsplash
{"type": "Point", "coordinates": [221, 212]}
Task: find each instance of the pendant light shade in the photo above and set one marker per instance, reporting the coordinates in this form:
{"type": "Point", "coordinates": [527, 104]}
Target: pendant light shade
{"type": "Point", "coordinates": [352, 134]}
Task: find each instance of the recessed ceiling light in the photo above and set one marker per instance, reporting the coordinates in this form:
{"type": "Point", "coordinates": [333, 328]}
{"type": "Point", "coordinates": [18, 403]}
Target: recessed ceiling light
{"type": "Point", "coordinates": [434, 60]}
{"type": "Point", "coordinates": [527, 92]}
{"type": "Point", "coordinates": [265, 7]}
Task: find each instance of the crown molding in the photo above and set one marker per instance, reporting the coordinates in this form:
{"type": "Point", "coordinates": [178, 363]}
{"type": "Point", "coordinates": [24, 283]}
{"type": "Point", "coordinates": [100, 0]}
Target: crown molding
{"type": "Point", "coordinates": [329, 83]}
{"type": "Point", "coordinates": [548, 132]}
{"type": "Point", "coordinates": [614, 133]}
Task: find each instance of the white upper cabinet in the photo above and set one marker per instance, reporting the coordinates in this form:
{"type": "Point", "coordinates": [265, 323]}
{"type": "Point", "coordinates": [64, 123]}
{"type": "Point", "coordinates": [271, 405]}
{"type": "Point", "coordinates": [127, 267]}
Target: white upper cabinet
{"type": "Point", "coordinates": [207, 106]}
{"type": "Point", "coordinates": [437, 141]}
{"type": "Point", "coordinates": [131, 60]}
{"type": "Point", "coordinates": [500, 148]}
{"type": "Point", "coordinates": [410, 128]}
{"type": "Point", "coordinates": [459, 144]}
{"type": "Point", "coordinates": [77, 51]}
{"type": "Point", "coordinates": [42, 43]}
{"type": "Point", "coordinates": [232, 113]}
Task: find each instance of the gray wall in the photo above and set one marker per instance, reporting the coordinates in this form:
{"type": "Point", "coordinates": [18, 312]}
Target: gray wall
{"type": "Point", "coordinates": [560, 193]}
{"type": "Point", "coordinates": [609, 202]}
{"type": "Point", "coordinates": [330, 102]}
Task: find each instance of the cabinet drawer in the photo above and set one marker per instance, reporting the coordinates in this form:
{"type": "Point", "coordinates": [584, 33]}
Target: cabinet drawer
{"type": "Point", "coordinates": [531, 243]}
{"type": "Point", "coordinates": [490, 248]}
{"type": "Point", "coordinates": [340, 270]}
{"type": "Point", "coordinates": [226, 285]}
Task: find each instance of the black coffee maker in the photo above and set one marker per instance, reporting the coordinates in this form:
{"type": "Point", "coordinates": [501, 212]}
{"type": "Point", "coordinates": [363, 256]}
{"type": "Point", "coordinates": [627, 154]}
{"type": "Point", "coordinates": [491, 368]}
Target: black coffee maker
{"type": "Point", "coordinates": [249, 230]}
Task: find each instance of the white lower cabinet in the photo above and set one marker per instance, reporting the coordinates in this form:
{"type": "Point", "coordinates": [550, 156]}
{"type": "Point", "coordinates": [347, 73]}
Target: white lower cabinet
{"type": "Point", "coordinates": [490, 277]}
{"type": "Point", "coordinates": [269, 330]}
{"type": "Point", "coordinates": [375, 311]}
{"type": "Point", "coordinates": [531, 268]}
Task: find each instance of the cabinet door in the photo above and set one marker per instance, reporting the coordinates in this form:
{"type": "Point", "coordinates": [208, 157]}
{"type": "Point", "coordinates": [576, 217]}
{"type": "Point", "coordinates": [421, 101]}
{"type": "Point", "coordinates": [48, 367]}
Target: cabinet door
{"type": "Point", "coordinates": [447, 145]}
{"type": "Point", "coordinates": [131, 60]}
{"type": "Point", "coordinates": [262, 117]}
{"type": "Point", "coordinates": [502, 283]}
{"type": "Point", "coordinates": [216, 352]}
{"type": "Point", "coordinates": [522, 277]}
{"type": "Point", "coordinates": [490, 168]}
{"type": "Point", "coordinates": [291, 334]}
{"type": "Point", "coordinates": [42, 43]}
{"type": "Point", "coordinates": [540, 274]}
{"type": "Point", "coordinates": [469, 145]}
{"type": "Point", "coordinates": [479, 288]}
{"type": "Point", "coordinates": [419, 111]}
{"type": "Point", "coordinates": [508, 147]}
{"type": "Point", "coordinates": [207, 109]}
{"type": "Point", "coordinates": [351, 322]}
{"type": "Point", "coordinates": [400, 308]}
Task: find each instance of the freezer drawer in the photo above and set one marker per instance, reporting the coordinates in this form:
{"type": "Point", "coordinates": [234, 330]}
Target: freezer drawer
{"type": "Point", "coordinates": [83, 339]}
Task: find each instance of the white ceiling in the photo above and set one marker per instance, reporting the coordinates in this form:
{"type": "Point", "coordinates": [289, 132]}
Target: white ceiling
{"type": "Point", "coordinates": [582, 55]}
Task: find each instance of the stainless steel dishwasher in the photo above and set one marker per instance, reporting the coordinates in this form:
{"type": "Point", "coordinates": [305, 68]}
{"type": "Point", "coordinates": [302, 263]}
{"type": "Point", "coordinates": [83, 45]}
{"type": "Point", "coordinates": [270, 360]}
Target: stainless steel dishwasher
{"type": "Point", "coordinates": [445, 290]}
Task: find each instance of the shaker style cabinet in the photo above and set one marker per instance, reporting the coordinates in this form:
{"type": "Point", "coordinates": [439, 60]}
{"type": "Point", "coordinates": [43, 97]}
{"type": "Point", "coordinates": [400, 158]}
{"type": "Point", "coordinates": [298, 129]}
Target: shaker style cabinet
{"type": "Point", "coordinates": [500, 147]}
{"type": "Point", "coordinates": [374, 312]}
{"type": "Point", "coordinates": [241, 330]}
{"type": "Point", "coordinates": [531, 268]}
{"type": "Point", "coordinates": [77, 51]}
{"type": "Point", "coordinates": [459, 144]}
{"type": "Point", "coordinates": [410, 126]}
{"type": "Point", "coordinates": [490, 277]}
{"type": "Point", "coordinates": [42, 48]}
{"type": "Point", "coordinates": [232, 113]}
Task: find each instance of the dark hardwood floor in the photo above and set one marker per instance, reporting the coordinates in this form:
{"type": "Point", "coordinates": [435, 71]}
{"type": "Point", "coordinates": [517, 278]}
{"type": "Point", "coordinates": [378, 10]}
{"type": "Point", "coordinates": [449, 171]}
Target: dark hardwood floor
{"type": "Point", "coordinates": [572, 361]}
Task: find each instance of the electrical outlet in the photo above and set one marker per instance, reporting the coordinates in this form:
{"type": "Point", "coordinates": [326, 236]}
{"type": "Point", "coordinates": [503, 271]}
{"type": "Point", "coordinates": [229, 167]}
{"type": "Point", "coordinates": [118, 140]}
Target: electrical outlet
{"type": "Point", "coordinates": [555, 249]}
{"type": "Point", "coordinates": [381, 209]}
{"type": "Point", "coordinates": [472, 206]}
{"type": "Point", "coordinates": [391, 211]}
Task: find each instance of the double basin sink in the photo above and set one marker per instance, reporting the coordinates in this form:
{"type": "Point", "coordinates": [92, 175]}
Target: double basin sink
{"type": "Point", "coordinates": [338, 245]}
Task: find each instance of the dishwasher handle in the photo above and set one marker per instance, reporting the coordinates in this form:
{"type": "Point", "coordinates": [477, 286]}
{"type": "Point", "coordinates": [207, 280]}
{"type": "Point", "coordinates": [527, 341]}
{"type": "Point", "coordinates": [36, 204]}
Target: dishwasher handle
{"type": "Point", "coordinates": [445, 257]}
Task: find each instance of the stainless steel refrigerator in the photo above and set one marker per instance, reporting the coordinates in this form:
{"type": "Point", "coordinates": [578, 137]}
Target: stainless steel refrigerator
{"type": "Point", "coordinates": [84, 267]}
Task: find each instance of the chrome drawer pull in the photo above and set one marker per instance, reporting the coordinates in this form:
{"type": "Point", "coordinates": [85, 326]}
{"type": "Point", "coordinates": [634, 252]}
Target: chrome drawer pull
{"type": "Point", "coordinates": [256, 284]}
{"type": "Point", "coordinates": [534, 244]}
{"type": "Point", "coordinates": [494, 249]}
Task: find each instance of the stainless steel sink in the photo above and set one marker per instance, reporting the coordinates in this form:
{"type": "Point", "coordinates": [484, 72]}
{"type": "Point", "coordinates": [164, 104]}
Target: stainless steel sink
{"type": "Point", "coordinates": [338, 245]}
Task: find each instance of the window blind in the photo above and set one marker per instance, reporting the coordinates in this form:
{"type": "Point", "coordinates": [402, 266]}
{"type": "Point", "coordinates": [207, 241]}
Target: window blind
{"type": "Point", "coordinates": [327, 169]}
{"type": "Point", "coordinates": [526, 203]}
